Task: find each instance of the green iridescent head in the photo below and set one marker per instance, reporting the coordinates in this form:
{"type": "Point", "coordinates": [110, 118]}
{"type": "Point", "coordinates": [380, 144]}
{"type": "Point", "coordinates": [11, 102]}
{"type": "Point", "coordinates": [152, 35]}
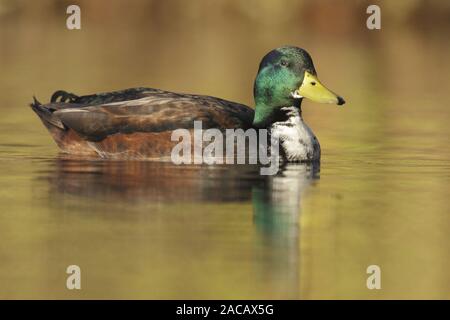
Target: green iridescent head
{"type": "Point", "coordinates": [285, 76]}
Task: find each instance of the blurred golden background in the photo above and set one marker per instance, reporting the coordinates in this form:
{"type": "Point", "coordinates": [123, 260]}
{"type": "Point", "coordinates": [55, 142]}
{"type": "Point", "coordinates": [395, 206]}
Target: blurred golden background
{"type": "Point", "coordinates": [382, 196]}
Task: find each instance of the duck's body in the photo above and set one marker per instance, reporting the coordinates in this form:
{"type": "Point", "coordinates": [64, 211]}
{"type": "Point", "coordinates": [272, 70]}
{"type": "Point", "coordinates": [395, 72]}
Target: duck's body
{"type": "Point", "coordinates": [138, 123]}
{"type": "Point", "coordinates": [135, 123]}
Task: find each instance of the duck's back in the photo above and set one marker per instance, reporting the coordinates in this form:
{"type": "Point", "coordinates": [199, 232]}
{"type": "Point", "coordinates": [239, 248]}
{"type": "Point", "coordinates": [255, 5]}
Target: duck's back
{"type": "Point", "coordinates": [133, 123]}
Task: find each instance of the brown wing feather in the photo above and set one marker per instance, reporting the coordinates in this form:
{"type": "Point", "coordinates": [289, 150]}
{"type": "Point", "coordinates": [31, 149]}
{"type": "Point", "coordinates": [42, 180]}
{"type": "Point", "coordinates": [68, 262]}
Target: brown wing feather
{"type": "Point", "coordinates": [157, 112]}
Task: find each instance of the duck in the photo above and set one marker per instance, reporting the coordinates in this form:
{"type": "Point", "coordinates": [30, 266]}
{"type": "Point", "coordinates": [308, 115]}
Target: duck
{"type": "Point", "coordinates": [137, 123]}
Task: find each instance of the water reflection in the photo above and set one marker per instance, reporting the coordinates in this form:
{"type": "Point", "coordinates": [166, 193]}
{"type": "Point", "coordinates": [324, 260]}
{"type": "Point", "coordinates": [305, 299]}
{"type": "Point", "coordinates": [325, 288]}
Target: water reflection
{"type": "Point", "coordinates": [276, 208]}
{"type": "Point", "coordinates": [275, 200]}
{"type": "Point", "coordinates": [164, 182]}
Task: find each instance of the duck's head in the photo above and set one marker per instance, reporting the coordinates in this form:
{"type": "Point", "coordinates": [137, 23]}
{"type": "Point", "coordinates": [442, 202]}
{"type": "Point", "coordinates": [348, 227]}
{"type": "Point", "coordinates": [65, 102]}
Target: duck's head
{"type": "Point", "coordinates": [286, 75]}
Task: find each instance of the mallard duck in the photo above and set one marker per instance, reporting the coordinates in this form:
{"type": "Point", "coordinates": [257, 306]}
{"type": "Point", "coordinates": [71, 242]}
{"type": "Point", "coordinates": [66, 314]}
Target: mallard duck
{"type": "Point", "coordinates": [138, 122]}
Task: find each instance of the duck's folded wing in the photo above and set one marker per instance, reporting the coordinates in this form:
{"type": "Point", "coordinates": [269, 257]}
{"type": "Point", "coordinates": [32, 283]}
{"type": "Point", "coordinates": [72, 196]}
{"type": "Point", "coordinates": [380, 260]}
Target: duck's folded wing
{"type": "Point", "coordinates": [154, 113]}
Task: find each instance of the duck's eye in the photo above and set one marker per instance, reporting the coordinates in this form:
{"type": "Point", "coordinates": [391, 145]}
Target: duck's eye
{"type": "Point", "coordinates": [313, 83]}
{"type": "Point", "coordinates": [284, 63]}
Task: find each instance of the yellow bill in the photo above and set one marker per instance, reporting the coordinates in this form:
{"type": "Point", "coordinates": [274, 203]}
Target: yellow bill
{"type": "Point", "coordinates": [312, 89]}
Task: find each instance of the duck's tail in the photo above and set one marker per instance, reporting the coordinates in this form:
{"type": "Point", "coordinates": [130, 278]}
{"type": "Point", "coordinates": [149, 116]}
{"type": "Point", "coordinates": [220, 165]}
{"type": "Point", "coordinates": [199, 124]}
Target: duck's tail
{"type": "Point", "coordinates": [67, 140]}
{"type": "Point", "coordinates": [45, 113]}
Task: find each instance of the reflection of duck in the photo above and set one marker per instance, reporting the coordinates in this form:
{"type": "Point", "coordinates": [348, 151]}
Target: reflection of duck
{"type": "Point", "coordinates": [278, 202]}
{"type": "Point", "coordinates": [137, 123]}
{"type": "Point", "coordinates": [165, 182]}
{"type": "Point", "coordinates": [276, 212]}
{"type": "Point", "coordinates": [136, 184]}
{"type": "Point", "coordinates": [275, 199]}
{"type": "Point", "coordinates": [152, 181]}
